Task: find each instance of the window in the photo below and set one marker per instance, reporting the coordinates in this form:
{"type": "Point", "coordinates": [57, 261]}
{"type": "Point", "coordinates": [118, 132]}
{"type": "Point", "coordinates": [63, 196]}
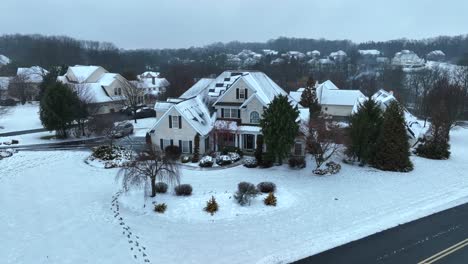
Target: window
{"type": "Point", "coordinates": [298, 149]}
{"type": "Point", "coordinates": [248, 141]}
{"type": "Point", "coordinates": [166, 142]}
{"type": "Point", "coordinates": [254, 117]}
{"type": "Point", "coordinates": [175, 121]}
{"type": "Point", "coordinates": [231, 113]}
{"type": "Point", "coordinates": [185, 146]}
{"type": "Point", "coordinates": [118, 91]}
{"type": "Point", "coordinates": [241, 93]}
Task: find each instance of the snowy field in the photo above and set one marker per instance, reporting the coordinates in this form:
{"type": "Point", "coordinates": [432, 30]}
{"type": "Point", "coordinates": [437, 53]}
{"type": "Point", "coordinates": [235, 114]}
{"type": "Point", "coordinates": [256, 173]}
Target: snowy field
{"type": "Point", "coordinates": [57, 209]}
{"type": "Point", "coordinates": [21, 117]}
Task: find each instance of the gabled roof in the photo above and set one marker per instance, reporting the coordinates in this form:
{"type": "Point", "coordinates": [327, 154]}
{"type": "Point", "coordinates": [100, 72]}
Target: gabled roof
{"type": "Point", "coordinates": [195, 112]}
{"type": "Point", "coordinates": [82, 73]}
{"type": "Point", "coordinates": [149, 74]}
{"type": "Point", "coordinates": [32, 74]}
{"type": "Point", "coordinates": [200, 87]}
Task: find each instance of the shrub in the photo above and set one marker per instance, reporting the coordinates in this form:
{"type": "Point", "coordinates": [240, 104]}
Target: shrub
{"type": "Point", "coordinates": [245, 193]}
{"type": "Point", "coordinates": [433, 150]}
{"type": "Point", "coordinates": [183, 190]}
{"type": "Point", "coordinates": [297, 162]}
{"type": "Point", "coordinates": [161, 187]}
{"type": "Point", "coordinates": [266, 187]}
{"type": "Point", "coordinates": [332, 168]}
{"type": "Point", "coordinates": [270, 200]}
{"type": "Point", "coordinates": [185, 159]}
{"type": "Point", "coordinates": [250, 162]}
{"type": "Point", "coordinates": [267, 160]}
{"type": "Point", "coordinates": [160, 208]}
{"type": "Point", "coordinates": [230, 149]}
{"type": "Point", "coordinates": [211, 206]}
{"type": "Point", "coordinates": [224, 160]}
{"type": "Point", "coordinates": [106, 152]}
{"type": "Point", "coordinates": [234, 156]}
{"type": "Point", "coordinates": [172, 152]}
{"type": "Point", "coordinates": [206, 162]}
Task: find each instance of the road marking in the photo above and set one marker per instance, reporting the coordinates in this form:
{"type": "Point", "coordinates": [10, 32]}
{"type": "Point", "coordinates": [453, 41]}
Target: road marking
{"type": "Point", "coordinates": [445, 252]}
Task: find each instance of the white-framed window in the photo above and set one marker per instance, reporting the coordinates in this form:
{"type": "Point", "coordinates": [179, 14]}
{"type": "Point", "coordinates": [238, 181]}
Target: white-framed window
{"type": "Point", "coordinates": [230, 113]}
{"type": "Point", "coordinates": [166, 142]}
{"type": "Point", "coordinates": [241, 93]}
{"type": "Point", "coordinates": [298, 149]}
{"type": "Point", "coordinates": [254, 117]}
{"type": "Point", "coordinates": [185, 146]}
{"type": "Point", "coordinates": [175, 121]}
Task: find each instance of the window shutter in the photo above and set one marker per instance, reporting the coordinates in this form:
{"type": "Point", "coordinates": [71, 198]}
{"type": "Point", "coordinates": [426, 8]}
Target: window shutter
{"type": "Point", "coordinates": [180, 145]}
{"type": "Point", "coordinates": [180, 121]}
{"type": "Point", "coordinates": [238, 113]}
{"type": "Point", "coordinates": [222, 112]}
{"type": "Point", "coordinates": [161, 143]}
{"type": "Point", "coordinates": [246, 94]}
{"type": "Point", "coordinates": [237, 93]}
{"type": "Point", "coordinates": [172, 142]}
{"type": "Point", "coordinates": [170, 121]}
{"type": "Point", "coordinates": [190, 146]}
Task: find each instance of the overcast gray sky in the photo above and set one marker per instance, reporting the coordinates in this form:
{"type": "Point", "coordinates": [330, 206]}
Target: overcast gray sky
{"type": "Point", "coordinates": [185, 23]}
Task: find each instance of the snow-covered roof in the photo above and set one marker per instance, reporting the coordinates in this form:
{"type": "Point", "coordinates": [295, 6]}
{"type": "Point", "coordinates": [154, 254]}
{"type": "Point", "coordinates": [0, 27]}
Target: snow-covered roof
{"type": "Point", "coordinates": [4, 82]}
{"type": "Point", "coordinates": [296, 95]}
{"type": "Point", "coordinates": [314, 53]}
{"type": "Point", "coordinates": [195, 112]}
{"type": "Point", "coordinates": [371, 52]}
{"type": "Point", "coordinates": [325, 61]}
{"type": "Point", "coordinates": [200, 87]}
{"type": "Point", "coordinates": [162, 106]}
{"type": "Point", "coordinates": [149, 74]}
{"type": "Point", "coordinates": [4, 60]}
{"type": "Point", "coordinates": [407, 58]}
{"type": "Point", "coordinates": [145, 83]}
{"type": "Point", "coordinates": [329, 94]}
{"type": "Point", "coordinates": [33, 74]}
{"type": "Point", "coordinates": [329, 85]}
{"type": "Point", "coordinates": [82, 72]}
{"type": "Point", "coordinates": [107, 79]}
{"type": "Point", "coordinates": [436, 52]}
{"type": "Point", "coordinates": [337, 54]}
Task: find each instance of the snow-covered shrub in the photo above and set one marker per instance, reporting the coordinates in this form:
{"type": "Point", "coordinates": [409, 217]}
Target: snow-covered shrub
{"type": "Point", "coordinates": [266, 187]}
{"type": "Point", "coordinates": [297, 162]}
{"type": "Point", "coordinates": [229, 149]}
{"type": "Point", "coordinates": [267, 160]}
{"type": "Point", "coordinates": [183, 190]}
{"type": "Point", "coordinates": [206, 162]}
{"type": "Point", "coordinates": [245, 193]}
{"type": "Point", "coordinates": [172, 152]}
{"type": "Point", "coordinates": [270, 200]}
{"type": "Point", "coordinates": [160, 208]}
{"type": "Point", "coordinates": [234, 156]}
{"type": "Point", "coordinates": [224, 160]}
{"type": "Point", "coordinates": [106, 152]}
{"type": "Point", "coordinates": [331, 168]}
{"type": "Point", "coordinates": [211, 206]}
{"type": "Point", "coordinates": [250, 162]}
{"type": "Point", "coordinates": [6, 153]}
{"type": "Point", "coordinates": [161, 187]}
{"type": "Point", "coordinates": [185, 159]}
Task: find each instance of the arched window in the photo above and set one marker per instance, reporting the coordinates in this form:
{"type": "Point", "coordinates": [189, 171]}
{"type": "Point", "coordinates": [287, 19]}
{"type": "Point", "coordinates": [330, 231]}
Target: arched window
{"type": "Point", "coordinates": [254, 117]}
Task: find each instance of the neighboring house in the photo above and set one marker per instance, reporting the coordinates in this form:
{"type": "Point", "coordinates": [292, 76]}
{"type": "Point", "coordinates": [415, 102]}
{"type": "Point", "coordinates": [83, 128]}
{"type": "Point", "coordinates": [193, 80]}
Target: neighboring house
{"type": "Point", "coordinates": [4, 82]}
{"type": "Point", "coordinates": [225, 111]}
{"type": "Point", "coordinates": [407, 59]}
{"type": "Point", "coordinates": [4, 60]}
{"type": "Point", "coordinates": [27, 79]}
{"type": "Point", "coordinates": [335, 102]}
{"type": "Point", "coordinates": [102, 89]}
{"type": "Point", "coordinates": [152, 85]}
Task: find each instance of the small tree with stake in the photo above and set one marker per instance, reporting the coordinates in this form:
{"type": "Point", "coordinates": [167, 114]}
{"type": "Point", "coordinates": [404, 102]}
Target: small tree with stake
{"type": "Point", "coordinates": [147, 167]}
{"type": "Point", "coordinates": [323, 140]}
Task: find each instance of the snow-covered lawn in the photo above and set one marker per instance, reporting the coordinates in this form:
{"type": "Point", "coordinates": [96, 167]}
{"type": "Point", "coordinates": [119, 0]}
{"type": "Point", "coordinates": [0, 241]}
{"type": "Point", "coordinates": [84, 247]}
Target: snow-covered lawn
{"type": "Point", "coordinates": [57, 209]}
{"type": "Point", "coordinates": [20, 117]}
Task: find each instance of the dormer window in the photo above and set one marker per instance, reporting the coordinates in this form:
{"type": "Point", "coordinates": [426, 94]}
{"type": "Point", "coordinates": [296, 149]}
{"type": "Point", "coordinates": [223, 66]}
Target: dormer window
{"type": "Point", "coordinates": [241, 94]}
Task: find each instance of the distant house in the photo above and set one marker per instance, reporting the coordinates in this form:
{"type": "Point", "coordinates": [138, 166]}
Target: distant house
{"type": "Point", "coordinates": [407, 59]}
{"type": "Point", "coordinates": [152, 85]}
{"type": "Point", "coordinates": [27, 80]}
{"type": "Point", "coordinates": [104, 90]}
{"type": "Point", "coordinates": [4, 60]}
{"type": "Point", "coordinates": [4, 82]}
{"type": "Point", "coordinates": [436, 55]}
{"type": "Point", "coordinates": [335, 102]}
{"type": "Point", "coordinates": [225, 111]}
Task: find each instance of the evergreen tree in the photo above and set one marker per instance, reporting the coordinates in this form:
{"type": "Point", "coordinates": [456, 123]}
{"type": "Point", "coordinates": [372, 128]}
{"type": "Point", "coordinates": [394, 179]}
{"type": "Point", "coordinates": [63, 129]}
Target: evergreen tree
{"type": "Point", "coordinates": [309, 99]}
{"type": "Point", "coordinates": [259, 150]}
{"type": "Point", "coordinates": [58, 108]}
{"type": "Point", "coordinates": [196, 148]}
{"type": "Point", "coordinates": [392, 149]}
{"type": "Point", "coordinates": [279, 127]}
{"type": "Point", "coordinates": [364, 129]}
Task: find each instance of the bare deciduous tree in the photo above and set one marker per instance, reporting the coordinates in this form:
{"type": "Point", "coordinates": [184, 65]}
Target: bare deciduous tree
{"type": "Point", "coordinates": [147, 167]}
{"type": "Point", "coordinates": [323, 140]}
{"type": "Point", "coordinates": [20, 88]}
{"type": "Point", "coordinates": [133, 96]}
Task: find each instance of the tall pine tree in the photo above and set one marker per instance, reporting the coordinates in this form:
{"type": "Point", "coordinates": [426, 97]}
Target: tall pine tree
{"type": "Point", "coordinates": [309, 99]}
{"type": "Point", "coordinates": [279, 127]}
{"type": "Point", "coordinates": [364, 129]}
{"type": "Point", "coordinates": [392, 149]}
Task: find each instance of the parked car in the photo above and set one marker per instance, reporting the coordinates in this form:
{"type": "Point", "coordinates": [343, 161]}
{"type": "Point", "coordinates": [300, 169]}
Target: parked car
{"type": "Point", "coordinates": [122, 129]}
{"type": "Point", "coordinates": [128, 109]}
{"type": "Point", "coordinates": [145, 112]}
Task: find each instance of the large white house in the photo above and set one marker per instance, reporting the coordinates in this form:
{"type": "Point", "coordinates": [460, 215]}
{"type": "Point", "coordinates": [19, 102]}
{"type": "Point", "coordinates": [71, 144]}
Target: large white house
{"type": "Point", "coordinates": [152, 85]}
{"type": "Point", "coordinates": [225, 111]}
{"type": "Point", "coordinates": [102, 88]}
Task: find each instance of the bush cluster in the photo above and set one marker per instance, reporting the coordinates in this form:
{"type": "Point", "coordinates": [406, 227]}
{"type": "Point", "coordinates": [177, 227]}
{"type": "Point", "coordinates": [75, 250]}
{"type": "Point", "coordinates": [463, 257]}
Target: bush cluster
{"type": "Point", "coordinates": [183, 190]}
{"type": "Point", "coordinates": [331, 168]}
{"type": "Point", "coordinates": [270, 200]}
{"type": "Point", "coordinates": [211, 206]}
{"type": "Point", "coordinates": [229, 149]}
{"type": "Point", "coordinates": [224, 160]}
{"type": "Point", "coordinates": [206, 162]}
{"type": "Point", "coordinates": [297, 162]}
{"type": "Point", "coordinates": [250, 162]}
{"type": "Point", "coordinates": [160, 208]}
{"type": "Point", "coordinates": [161, 187]}
{"type": "Point", "coordinates": [245, 193]}
{"type": "Point", "coordinates": [185, 159]}
{"type": "Point", "coordinates": [106, 152]}
{"type": "Point", "coordinates": [266, 187]}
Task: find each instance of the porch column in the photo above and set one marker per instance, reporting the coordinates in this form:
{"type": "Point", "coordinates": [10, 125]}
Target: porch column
{"type": "Point", "coordinates": [241, 146]}
{"type": "Point", "coordinates": [236, 142]}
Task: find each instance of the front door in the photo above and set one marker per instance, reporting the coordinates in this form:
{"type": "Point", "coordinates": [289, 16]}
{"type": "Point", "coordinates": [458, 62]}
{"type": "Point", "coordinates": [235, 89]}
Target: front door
{"type": "Point", "coordinates": [248, 141]}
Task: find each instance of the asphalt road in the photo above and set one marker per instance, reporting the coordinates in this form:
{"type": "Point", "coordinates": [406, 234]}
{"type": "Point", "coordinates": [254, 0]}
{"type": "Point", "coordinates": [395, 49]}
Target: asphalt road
{"type": "Point", "coordinates": [419, 241]}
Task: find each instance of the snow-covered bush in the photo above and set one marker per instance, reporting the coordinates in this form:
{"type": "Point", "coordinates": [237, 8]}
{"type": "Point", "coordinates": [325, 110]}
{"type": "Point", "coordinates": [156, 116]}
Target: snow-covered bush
{"type": "Point", "coordinates": [183, 190]}
{"type": "Point", "coordinates": [270, 200]}
{"type": "Point", "coordinates": [160, 208]}
{"type": "Point", "coordinates": [106, 152]}
{"type": "Point", "coordinates": [185, 159]}
{"type": "Point", "coordinates": [266, 187]}
{"type": "Point", "coordinates": [224, 160]}
{"type": "Point", "coordinates": [234, 156]}
{"type": "Point", "coordinates": [245, 193]}
{"type": "Point", "coordinates": [229, 149]}
{"type": "Point", "coordinates": [6, 153]}
{"type": "Point", "coordinates": [211, 206]}
{"type": "Point", "coordinates": [172, 152]}
{"type": "Point", "coordinates": [161, 187]}
{"type": "Point", "coordinates": [206, 162]}
{"type": "Point", "coordinates": [331, 168]}
{"type": "Point", "coordinates": [297, 162]}
{"type": "Point", "coordinates": [250, 162]}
